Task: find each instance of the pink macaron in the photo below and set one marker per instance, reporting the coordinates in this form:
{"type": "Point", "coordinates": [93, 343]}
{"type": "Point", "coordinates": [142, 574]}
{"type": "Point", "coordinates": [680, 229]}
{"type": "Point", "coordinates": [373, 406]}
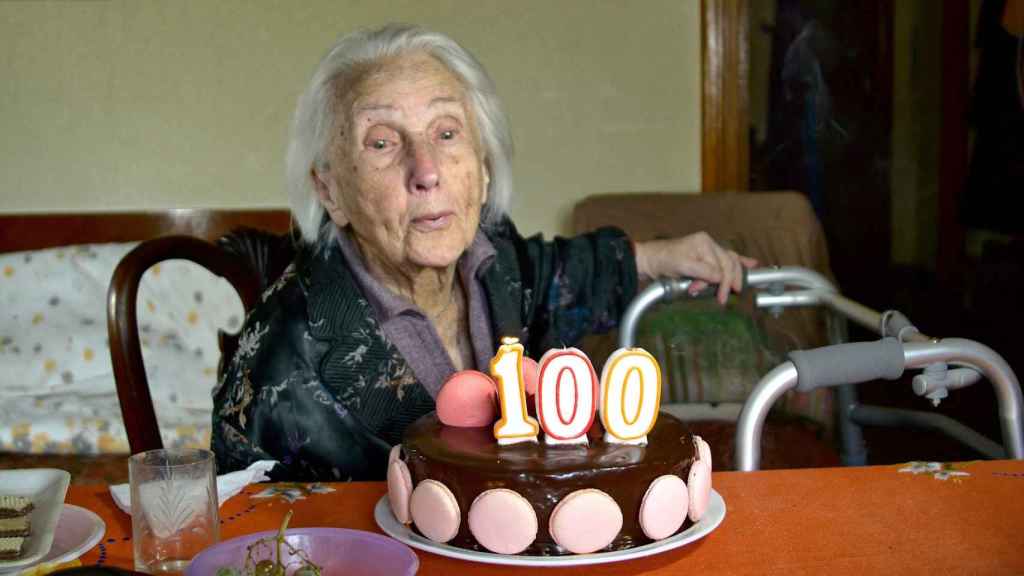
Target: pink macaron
{"type": "Point", "coordinates": [531, 372]}
{"type": "Point", "coordinates": [399, 489]}
{"type": "Point", "coordinates": [585, 521]}
{"type": "Point", "coordinates": [699, 484]}
{"type": "Point", "coordinates": [468, 399]}
{"type": "Point", "coordinates": [664, 507]}
{"type": "Point", "coordinates": [435, 511]}
{"type": "Point", "coordinates": [503, 521]}
{"type": "Point", "coordinates": [703, 451]}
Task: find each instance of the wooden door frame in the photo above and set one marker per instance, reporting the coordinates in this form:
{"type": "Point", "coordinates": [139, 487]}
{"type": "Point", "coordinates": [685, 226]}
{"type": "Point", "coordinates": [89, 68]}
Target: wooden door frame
{"type": "Point", "coordinates": [725, 146]}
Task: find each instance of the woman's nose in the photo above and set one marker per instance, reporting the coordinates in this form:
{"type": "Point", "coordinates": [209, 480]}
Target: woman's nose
{"type": "Point", "coordinates": [423, 173]}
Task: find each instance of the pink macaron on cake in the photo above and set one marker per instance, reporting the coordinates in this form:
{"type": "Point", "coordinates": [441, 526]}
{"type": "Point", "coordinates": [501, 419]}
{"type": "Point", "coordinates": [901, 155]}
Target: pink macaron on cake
{"type": "Point", "coordinates": [472, 475]}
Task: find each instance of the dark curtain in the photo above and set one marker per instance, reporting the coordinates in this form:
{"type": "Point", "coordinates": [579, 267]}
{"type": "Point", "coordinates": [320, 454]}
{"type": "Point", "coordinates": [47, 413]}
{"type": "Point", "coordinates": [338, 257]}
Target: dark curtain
{"type": "Point", "coordinates": [996, 175]}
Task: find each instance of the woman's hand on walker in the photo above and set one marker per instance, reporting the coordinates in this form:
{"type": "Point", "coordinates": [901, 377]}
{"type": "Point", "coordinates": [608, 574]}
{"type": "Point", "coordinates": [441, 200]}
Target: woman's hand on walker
{"type": "Point", "coordinates": [696, 256]}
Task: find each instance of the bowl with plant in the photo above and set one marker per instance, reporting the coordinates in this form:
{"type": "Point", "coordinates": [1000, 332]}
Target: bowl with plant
{"type": "Point", "coordinates": [306, 552]}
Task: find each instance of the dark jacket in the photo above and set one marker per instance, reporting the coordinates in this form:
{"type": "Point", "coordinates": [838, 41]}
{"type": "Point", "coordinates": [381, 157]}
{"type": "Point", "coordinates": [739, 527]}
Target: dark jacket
{"type": "Point", "coordinates": [316, 385]}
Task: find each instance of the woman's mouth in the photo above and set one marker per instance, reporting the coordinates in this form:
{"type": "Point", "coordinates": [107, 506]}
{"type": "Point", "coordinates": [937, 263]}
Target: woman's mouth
{"type": "Point", "coordinates": [432, 222]}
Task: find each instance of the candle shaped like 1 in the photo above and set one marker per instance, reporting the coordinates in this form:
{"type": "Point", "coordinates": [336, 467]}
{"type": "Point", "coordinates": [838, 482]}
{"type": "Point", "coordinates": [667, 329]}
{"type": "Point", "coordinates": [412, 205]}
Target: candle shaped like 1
{"type": "Point", "coordinates": [507, 369]}
{"type": "Point", "coordinates": [630, 395]}
{"type": "Point", "coordinates": [566, 396]}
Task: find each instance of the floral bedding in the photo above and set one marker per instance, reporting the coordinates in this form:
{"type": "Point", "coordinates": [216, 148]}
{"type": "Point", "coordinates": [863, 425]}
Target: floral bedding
{"type": "Point", "coordinates": [57, 392]}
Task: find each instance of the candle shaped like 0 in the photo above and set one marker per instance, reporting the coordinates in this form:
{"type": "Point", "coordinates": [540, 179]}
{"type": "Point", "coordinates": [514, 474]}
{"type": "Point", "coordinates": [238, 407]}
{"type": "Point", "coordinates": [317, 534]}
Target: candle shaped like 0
{"type": "Point", "coordinates": [566, 418]}
{"type": "Point", "coordinates": [567, 396]}
{"type": "Point", "coordinates": [630, 395]}
{"type": "Point", "coordinates": [507, 368]}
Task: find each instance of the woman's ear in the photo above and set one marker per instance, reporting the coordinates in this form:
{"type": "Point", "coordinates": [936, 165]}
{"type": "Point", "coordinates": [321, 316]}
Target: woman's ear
{"type": "Point", "coordinates": [487, 184]}
{"type": "Point", "coordinates": [327, 192]}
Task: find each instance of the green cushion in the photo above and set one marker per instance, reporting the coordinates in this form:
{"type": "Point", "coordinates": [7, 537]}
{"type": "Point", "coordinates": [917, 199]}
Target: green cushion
{"type": "Point", "coordinates": [710, 354]}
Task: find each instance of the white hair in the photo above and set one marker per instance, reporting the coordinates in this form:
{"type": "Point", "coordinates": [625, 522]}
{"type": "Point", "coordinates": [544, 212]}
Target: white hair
{"type": "Point", "coordinates": [315, 118]}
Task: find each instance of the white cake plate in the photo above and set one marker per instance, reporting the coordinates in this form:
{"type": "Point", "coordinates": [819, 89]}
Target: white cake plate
{"type": "Point", "coordinates": [392, 527]}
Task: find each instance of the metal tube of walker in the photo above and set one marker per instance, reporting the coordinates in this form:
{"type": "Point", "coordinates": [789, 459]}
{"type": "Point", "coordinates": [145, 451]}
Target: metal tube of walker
{"type": "Point", "coordinates": [666, 288]}
{"type": "Point", "coordinates": [916, 355]}
{"type": "Point", "coordinates": [791, 275]}
{"type": "Point", "coordinates": [919, 351]}
{"type": "Point", "coordinates": [995, 368]}
{"type": "Point", "coordinates": [662, 289]}
{"type": "Point", "coordinates": [751, 423]}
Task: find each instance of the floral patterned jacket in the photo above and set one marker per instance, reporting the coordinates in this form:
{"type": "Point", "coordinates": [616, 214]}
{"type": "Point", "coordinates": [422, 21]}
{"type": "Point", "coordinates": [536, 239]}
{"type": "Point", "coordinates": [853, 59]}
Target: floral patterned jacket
{"type": "Point", "coordinates": [317, 386]}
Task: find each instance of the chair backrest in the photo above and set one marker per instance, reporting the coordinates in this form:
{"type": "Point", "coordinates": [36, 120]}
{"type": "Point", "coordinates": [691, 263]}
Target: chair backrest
{"type": "Point", "coordinates": [246, 258]}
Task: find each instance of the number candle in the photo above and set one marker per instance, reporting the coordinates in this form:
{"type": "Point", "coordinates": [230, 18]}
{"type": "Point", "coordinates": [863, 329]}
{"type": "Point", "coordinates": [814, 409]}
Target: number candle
{"type": "Point", "coordinates": [566, 396]}
{"type": "Point", "coordinates": [507, 368]}
{"type": "Point", "coordinates": [630, 395]}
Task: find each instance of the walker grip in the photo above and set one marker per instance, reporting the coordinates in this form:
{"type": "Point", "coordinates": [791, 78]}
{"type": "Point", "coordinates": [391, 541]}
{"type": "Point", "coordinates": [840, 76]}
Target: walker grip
{"type": "Point", "coordinates": [851, 363]}
{"type": "Point", "coordinates": [680, 286]}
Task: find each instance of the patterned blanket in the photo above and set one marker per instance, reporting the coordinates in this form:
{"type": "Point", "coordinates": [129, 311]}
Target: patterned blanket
{"type": "Point", "coordinates": [57, 392]}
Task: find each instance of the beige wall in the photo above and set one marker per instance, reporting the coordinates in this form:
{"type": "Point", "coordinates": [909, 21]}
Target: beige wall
{"type": "Point", "coordinates": [136, 104]}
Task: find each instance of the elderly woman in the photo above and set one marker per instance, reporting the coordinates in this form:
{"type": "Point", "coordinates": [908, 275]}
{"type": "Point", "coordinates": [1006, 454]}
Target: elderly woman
{"type": "Point", "coordinates": [399, 179]}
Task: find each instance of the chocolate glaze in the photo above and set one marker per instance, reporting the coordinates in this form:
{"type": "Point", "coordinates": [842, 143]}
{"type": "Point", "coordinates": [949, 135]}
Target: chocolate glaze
{"type": "Point", "coordinates": [470, 461]}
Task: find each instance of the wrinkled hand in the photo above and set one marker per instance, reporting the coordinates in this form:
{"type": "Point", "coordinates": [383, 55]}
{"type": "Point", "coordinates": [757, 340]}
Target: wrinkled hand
{"type": "Point", "coordinates": [695, 256]}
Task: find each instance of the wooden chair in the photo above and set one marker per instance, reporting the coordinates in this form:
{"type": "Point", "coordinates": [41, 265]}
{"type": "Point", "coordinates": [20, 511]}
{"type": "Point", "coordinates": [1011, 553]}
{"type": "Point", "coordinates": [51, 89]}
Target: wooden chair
{"type": "Point", "coordinates": [247, 258]}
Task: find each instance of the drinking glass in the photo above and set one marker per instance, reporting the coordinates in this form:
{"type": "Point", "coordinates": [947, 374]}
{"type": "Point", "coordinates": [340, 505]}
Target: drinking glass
{"type": "Point", "coordinates": [174, 508]}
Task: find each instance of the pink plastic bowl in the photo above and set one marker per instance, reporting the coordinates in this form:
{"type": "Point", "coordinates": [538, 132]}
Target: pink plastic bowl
{"type": "Point", "coordinates": [339, 551]}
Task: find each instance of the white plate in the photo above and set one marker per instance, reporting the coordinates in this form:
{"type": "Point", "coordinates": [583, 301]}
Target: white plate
{"type": "Point", "coordinates": [77, 532]}
{"type": "Point", "coordinates": [47, 488]}
{"type": "Point", "coordinates": [712, 518]}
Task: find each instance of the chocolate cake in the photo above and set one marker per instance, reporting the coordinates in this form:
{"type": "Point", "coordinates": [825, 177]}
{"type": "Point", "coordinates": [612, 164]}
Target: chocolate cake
{"type": "Point", "coordinates": [469, 462]}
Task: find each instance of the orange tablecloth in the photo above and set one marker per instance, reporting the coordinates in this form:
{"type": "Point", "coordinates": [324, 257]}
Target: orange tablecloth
{"type": "Point", "coordinates": [813, 521]}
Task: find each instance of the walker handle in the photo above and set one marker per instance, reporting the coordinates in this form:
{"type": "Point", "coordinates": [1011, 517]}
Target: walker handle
{"type": "Point", "coordinates": [678, 286]}
{"type": "Point", "coordinates": [850, 363]}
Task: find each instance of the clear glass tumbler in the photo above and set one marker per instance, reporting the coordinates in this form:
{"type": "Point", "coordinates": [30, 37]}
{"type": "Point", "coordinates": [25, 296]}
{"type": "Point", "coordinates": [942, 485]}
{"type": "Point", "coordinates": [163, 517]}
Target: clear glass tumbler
{"type": "Point", "coordinates": [174, 508]}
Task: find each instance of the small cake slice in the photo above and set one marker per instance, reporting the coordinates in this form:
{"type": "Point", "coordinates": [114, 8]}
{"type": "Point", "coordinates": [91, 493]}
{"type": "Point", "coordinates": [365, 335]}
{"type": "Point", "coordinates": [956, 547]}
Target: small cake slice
{"type": "Point", "coordinates": [11, 527]}
{"type": "Point", "coordinates": [10, 548]}
{"type": "Point", "coordinates": [14, 506]}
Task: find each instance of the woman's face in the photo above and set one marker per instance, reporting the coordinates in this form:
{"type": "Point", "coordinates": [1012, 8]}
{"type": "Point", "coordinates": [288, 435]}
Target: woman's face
{"type": "Point", "coordinates": [406, 167]}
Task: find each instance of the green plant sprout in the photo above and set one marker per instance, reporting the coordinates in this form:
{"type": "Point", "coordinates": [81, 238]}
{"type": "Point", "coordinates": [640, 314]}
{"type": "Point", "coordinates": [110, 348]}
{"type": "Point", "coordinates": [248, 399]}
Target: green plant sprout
{"type": "Point", "coordinates": [275, 567]}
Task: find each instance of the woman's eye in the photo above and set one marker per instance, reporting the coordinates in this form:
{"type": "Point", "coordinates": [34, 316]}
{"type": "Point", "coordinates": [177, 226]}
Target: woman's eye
{"type": "Point", "coordinates": [380, 138]}
{"type": "Point", "coordinates": [379, 144]}
{"type": "Point", "coordinates": [448, 134]}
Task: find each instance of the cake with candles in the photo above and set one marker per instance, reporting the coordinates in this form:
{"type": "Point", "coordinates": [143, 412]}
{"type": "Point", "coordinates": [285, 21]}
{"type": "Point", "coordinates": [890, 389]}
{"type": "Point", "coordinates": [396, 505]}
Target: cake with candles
{"type": "Point", "coordinates": [545, 459]}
